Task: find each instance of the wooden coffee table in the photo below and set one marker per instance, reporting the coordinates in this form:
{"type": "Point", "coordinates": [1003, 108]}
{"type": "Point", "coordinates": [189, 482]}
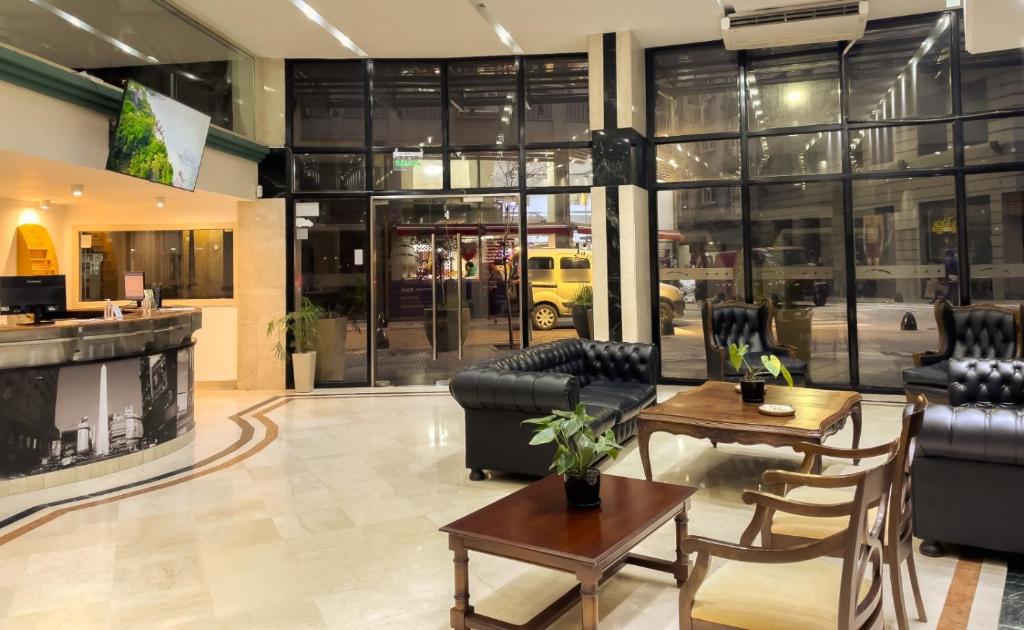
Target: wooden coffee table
{"type": "Point", "coordinates": [534, 525]}
{"type": "Point", "coordinates": [716, 412]}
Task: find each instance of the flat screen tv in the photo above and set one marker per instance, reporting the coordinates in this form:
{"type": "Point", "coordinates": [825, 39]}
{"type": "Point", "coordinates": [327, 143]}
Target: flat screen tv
{"type": "Point", "coordinates": [157, 138]}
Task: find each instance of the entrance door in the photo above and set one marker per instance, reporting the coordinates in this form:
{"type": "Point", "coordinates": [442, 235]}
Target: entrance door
{"type": "Point", "coordinates": [440, 292]}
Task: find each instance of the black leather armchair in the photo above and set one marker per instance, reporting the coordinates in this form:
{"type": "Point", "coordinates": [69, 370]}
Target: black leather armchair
{"type": "Point", "coordinates": [614, 380]}
{"type": "Point", "coordinates": [739, 323]}
{"type": "Point", "coordinates": [969, 467]}
{"type": "Point", "coordinates": [979, 331]}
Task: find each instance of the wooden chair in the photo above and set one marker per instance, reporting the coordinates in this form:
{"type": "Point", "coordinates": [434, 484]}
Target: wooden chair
{"type": "Point", "coordinates": [800, 587]}
{"type": "Point", "coordinates": [786, 530]}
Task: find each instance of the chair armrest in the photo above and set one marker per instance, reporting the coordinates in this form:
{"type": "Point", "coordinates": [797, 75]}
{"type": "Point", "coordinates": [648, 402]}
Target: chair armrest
{"type": "Point", "coordinates": [716, 360]}
{"type": "Point", "coordinates": [790, 479]}
{"type": "Point", "coordinates": [808, 448]}
{"type": "Point", "coordinates": [781, 504]}
{"type": "Point", "coordinates": [745, 553]}
{"type": "Point", "coordinates": [528, 392]}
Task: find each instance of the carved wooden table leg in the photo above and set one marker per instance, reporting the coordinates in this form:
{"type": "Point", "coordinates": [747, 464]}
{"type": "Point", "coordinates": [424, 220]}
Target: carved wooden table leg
{"type": "Point", "coordinates": [462, 607]}
{"type": "Point", "coordinates": [855, 417]}
{"type": "Point", "coordinates": [588, 598]}
{"type": "Point", "coordinates": [816, 464]}
{"type": "Point", "coordinates": [682, 559]}
{"type": "Point", "coordinates": [644, 442]}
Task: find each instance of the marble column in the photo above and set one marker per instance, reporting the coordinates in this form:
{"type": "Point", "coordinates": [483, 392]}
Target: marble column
{"type": "Point", "coordinates": [260, 288]}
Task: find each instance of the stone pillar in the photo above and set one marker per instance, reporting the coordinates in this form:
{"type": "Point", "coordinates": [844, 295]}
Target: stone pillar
{"type": "Point", "coordinates": [623, 310]}
{"type": "Point", "coordinates": [260, 288]}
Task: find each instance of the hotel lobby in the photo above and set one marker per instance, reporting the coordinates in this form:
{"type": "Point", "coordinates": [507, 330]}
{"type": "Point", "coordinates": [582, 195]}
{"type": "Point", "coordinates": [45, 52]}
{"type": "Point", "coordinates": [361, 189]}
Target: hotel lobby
{"type": "Point", "coordinates": [512, 314]}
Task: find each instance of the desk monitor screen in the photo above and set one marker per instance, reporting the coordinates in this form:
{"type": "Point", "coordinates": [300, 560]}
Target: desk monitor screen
{"type": "Point", "coordinates": [42, 296]}
{"type": "Point", "coordinates": [134, 285]}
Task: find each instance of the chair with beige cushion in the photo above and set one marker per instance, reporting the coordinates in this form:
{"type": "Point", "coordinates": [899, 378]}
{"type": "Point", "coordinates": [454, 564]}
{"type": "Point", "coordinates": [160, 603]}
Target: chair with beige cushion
{"type": "Point", "coordinates": [783, 529]}
{"type": "Point", "coordinates": [801, 587]}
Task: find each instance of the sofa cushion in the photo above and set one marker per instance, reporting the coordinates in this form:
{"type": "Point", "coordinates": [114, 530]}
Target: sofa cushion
{"type": "Point", "coordinates": [987, 434]}
{"type": "Point", "coordinates": [796, 367]}
{"type": "Point", "coordinates": [933, 375]}
{"type": "Point", "coordinates": [604, 418]}
{"type": "Point", "coordinates": [626, 398]}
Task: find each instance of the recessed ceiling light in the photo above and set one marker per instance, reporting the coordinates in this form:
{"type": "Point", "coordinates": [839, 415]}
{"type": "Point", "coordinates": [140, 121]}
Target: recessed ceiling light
{"type": "Point", "coordinates": [160, 202]}
{"type": "Point", "coordinates": [45, 205]}
{"type": "Point", "coordinates": [322, 22]}
{"type": "Point", "coordinates": [77, 190]}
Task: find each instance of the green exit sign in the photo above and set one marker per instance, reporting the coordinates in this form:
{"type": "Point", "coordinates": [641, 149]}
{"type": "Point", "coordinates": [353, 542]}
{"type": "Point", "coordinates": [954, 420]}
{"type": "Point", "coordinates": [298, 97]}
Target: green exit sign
{"type": "Point", "coordinates": [407, 159]}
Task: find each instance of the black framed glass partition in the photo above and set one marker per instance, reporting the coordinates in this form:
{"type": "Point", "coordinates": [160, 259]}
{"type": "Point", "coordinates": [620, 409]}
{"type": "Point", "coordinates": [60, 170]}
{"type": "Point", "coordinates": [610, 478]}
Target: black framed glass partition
{"type": "Point", "coordinates": [852, 190]}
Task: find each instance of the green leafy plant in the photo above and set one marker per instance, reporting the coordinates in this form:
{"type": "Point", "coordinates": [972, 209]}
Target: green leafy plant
{"type": "Point", "coordinates": [302, 326]}
{"type": "Point", "coordinates": [770, 364]}
{"type": "Point", "coordinates": [577, 447]}
{"type": "Point", "coordinates": [584, 297]}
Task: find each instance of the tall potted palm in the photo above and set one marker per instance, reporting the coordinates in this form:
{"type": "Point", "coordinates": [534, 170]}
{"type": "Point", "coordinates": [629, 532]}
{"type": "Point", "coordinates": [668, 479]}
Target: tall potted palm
{"type": "Point", "coordinates": [301, 325]}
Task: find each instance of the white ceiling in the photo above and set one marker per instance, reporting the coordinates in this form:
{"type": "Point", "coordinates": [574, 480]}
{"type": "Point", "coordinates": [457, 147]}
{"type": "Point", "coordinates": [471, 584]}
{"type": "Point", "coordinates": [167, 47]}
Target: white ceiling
{"type": "Point", "coordinates": [453, 28]}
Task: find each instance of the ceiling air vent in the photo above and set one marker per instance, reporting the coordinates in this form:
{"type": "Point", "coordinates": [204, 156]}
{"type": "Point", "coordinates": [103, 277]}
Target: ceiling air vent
{"type": "Point", "coordinates": [759, 24]}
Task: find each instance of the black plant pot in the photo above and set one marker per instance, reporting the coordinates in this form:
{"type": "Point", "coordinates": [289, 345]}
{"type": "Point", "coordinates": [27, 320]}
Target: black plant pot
{"type": "Point", "coordinates": [581, 322]}
{"type": "Point", "coordinates": [584, 492]}
{"type": "Point", "coordinates": [752, 391]}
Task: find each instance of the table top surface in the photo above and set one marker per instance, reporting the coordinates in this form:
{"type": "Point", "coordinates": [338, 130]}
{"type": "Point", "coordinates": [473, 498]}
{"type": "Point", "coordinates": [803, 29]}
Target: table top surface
{"type": "Point", "coordinates": [718, 403]}
{"type": "Point", "coordinates": [537, 518]}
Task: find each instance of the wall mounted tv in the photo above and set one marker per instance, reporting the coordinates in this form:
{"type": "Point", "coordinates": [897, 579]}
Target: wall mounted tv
{"type": "Point", "coordinates": [157, 138]}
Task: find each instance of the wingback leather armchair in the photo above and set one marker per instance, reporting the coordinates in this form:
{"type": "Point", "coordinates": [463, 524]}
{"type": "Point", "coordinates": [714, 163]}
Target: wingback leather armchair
{"type": "Point", "coordinates": [979, 331]}
{"type": "Point", "coordinates": [969, 468]}
{"type": "Point", "coordinates": [741, 323]}
{"type": "Point", "coordinates": [614, 381]}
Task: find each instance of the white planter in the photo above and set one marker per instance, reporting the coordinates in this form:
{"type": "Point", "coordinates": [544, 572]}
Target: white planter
{"type": "Point", "coordinates": [303, 371]}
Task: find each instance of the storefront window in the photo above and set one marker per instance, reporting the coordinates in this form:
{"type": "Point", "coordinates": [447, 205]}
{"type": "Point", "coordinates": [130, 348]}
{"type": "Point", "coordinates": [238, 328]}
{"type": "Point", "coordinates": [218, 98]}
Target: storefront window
{"type": "Point", "coordinates": [328, 104]}
{"type": "Point", "coordinates": [406, 104]}
{"type": "Point", "coordinates": [787, 90]}
{"type": "Point", "coordinates": [330, 172]}
{"type": "Point", "coordinates": [995, 236]}
{"type": "Point", "coordinates": [700, 240]}
{"type": "Point", "coordinates": [696, 91]}
{"type": "Point", "coordinates": [482, 106]}
{"type": "Point", "coordinates": [696, 161]}
{"type": "Point", "coordinates": [905, 248]}
{"type": "Point", "coordinates": [485, 169]}
{"type": "Point", "coordinates": [992, 81]}
{"type": "Point", "coordinates": [187, 264]}
{"type": "Point", "coordinates": [797, 260]}
{"type": "Point", "coordinates": [796, 154]}
{"type": "Point", "coordinates": [901, 148]}
{"type": "Point", "coordinates": [557, 100]}
{"type": "Point", "coordinates": [994, 140]}
{"type": "Point", "coordinates": [426, 173]}
{"type": "Point", "coordinates": [559, 167]}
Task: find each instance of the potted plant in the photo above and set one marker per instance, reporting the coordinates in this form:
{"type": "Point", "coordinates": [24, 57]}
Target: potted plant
{"type": "Point", "coordinates": [583, 312]}
{"type": "Point", "coordinates": [301, 324]}
{"type": "Point", "coordinates": [577, 449]}
{"type": "Point", "coordinates": [752, 379]}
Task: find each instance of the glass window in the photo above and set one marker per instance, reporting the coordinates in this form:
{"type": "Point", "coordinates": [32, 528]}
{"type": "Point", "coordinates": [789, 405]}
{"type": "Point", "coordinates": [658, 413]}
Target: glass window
{"type": "Point", "coordinates": [995, 233]}
{"type": "Point", "coordinates": [484, 169]}
{"type": "Point", "coordinates": [901, 148]}
{"type": "Point", "coordinates": [188, 264]}
{"type": "Point", "coordinates": [557, 100]}
{"type": "Point", "coordinates": [901, 70]}
{"type": "Point", "coordinates": [328, 104]}
{"type": "Point", "coordinates": [994, 140]}
{"type": "Point", "coordinates": [406, 104]}
{"type": "Point", "coordinates": [482, 102]}
{"type": "Point", "coordinates": [905, 248]}
{"type": "Point", "coordinates": [696, 91]}
{"type": "Point", "coordinates": [559, 167]}
{"type": "Point", "coordinates": [693, 161]}
{"type": "Point", "coordinates": [991, 81]}
{"type": "Point", "coordinates": [417, 174]}
{"type": "Point", "coordinates": [330, 172]}
{"type": "Point", "coordinates": [700, 240]}
{"type": "Point", "coordinates": [798, 261]}
{"type": "Point", "coordinates": [795, 154]}
{"type": "Point", "coordinates": [574, 263]}
{"type": "Point", "coordinates": [787, 90]}
{"type": "Point", "coordinates": [540, 262]}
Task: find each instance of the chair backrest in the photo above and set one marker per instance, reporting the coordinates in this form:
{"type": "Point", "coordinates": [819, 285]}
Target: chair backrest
{"type": "Point", "coordinates": [980, 331]}
{"type": "Point", "coordinates": [899, 525]}
{"type": "Point", "coordinates": [986, 382]}
{"type": "Point", "coordinates": [739, 323]}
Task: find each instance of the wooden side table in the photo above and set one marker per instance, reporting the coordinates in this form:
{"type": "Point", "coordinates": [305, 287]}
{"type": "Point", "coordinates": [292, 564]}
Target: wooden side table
{"type": "Point", "coordinates": [535, 525]}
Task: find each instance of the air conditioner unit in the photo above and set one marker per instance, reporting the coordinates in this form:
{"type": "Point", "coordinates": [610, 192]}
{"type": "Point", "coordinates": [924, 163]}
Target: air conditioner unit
{"type": "Point", "coordinates": [773, 23]}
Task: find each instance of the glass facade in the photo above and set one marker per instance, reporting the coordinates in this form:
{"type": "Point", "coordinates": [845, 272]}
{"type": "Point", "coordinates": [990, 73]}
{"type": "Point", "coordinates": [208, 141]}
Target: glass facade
{"type": "Point", "coordinates": [851, 191]}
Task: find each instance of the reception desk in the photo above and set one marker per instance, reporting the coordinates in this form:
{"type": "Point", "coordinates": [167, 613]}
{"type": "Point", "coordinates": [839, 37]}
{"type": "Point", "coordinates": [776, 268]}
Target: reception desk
{"type": "Point", "coordinates": [85, 396]}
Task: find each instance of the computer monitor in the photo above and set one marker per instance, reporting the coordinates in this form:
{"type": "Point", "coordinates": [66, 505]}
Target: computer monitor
{"type": "Point", "coordinates": [134, 285]}
{"type": "Point", "coordinates": [42, 296]}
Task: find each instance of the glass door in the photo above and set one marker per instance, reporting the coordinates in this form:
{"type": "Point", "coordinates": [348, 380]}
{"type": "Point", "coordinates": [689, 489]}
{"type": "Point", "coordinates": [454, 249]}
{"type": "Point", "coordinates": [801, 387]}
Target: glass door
{"type": "Point", "coordinates": [441, 295]}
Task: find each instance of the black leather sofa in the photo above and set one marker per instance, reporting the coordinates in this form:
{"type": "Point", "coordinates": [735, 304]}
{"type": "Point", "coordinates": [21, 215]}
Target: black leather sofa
{"type": "Point", "coordinates": [741, 323]}
{"type": "Point", "coordinates": [614, 381]}
{"type": "Point", "coordinates": [979, 331]}
{"type": "Point", "coordinates": [968, 468]}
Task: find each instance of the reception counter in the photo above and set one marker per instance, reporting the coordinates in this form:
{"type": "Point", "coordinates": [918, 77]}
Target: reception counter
{"type": "Point", "coordinates": [85, 396]}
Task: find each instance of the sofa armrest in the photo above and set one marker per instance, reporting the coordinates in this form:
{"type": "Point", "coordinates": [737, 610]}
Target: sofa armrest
{"type": "Point", "coordinates": [623, 360]}
{"type": "Point", "coordinates": [528, 392]}
{"type": "Point", "coordinates": [929, 358]}
{"type": "Point", "coordinates": [986, 434]}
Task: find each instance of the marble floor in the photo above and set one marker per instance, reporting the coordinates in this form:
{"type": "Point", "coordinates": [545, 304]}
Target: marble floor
{"type": "Point", "coordinates": [322, 512]}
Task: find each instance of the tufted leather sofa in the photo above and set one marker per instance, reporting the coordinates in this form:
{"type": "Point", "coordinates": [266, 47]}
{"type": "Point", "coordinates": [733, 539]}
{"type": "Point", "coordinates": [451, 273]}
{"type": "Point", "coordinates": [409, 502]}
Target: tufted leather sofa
{"type": "Point", "coordinates": [614, 380]}
{"type": "Point", "coordinates": [739, 323]}
{"type": "Point", "coordinates": [969, 467]}
{"type": "Point", "coordinates": [979, 331]}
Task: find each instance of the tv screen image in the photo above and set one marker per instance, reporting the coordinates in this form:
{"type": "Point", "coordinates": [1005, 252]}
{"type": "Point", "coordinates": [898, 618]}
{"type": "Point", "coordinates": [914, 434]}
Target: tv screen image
{"type": "Point", "coordinates": [158, 138]}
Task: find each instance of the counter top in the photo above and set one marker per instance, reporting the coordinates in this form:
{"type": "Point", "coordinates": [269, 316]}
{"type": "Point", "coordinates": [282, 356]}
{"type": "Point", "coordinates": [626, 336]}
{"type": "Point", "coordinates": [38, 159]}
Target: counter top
{"type": "Point", "coordinates": [81, 338]}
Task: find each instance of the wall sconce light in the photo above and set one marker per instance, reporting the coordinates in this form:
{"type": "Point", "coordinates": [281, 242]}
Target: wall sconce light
{"type": "Point", "coordinates": [77, 190]}
{"type": "Point", "coordinates": [160, 202]}
{"type": "Point", "coordinates": [44, 205]}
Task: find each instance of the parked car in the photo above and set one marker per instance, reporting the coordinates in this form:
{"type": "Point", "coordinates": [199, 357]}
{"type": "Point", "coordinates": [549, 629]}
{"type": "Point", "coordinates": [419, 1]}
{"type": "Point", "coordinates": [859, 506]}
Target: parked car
{"type": "Point", "coordinates": [558, 273]}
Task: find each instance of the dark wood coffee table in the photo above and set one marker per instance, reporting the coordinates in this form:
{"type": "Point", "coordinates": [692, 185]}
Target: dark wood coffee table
{"type": "Point", "coordinates": [534, 525]}
{"type": "Point", "coordinates": [715, 411]}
